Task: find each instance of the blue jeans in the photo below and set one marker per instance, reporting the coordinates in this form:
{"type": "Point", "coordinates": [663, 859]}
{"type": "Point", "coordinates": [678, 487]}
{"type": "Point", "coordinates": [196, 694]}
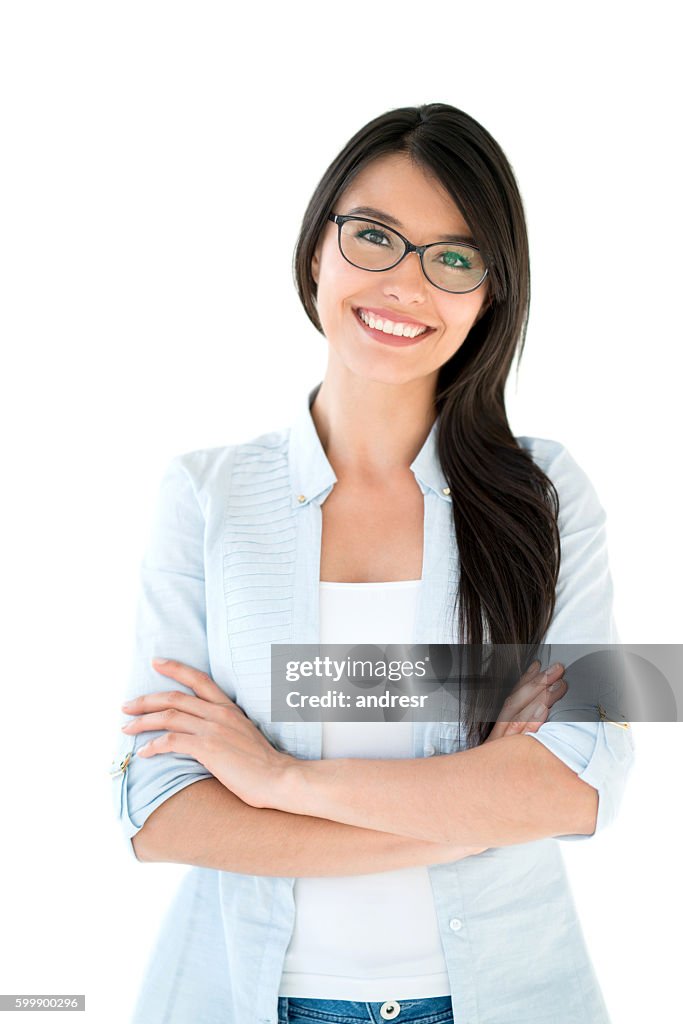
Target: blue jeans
{"type": "Point", "coordinates": [436, 1010]}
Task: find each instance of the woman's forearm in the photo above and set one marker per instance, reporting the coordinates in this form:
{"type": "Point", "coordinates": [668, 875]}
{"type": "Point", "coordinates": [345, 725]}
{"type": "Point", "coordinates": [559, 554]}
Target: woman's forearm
{"type": "Point", "coordinates": [499, 793]}
{"type": "Point", "coordinates": [206, 825]}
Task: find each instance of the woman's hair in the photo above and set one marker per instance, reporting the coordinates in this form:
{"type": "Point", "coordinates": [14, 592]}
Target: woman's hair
{"type": "Point", "coordinates": [505, 509]}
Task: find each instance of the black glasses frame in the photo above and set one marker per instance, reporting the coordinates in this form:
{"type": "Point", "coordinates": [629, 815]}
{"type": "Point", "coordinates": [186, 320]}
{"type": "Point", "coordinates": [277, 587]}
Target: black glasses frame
{"type": "Point", "coordinates": [341, 218]}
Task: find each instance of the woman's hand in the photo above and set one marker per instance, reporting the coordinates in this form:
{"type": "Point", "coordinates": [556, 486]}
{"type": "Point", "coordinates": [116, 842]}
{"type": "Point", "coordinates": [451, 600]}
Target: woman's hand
{"type": "Point", "coordinates": [211, 728]}
{"type": "Point", "coordinates": [527, 706]}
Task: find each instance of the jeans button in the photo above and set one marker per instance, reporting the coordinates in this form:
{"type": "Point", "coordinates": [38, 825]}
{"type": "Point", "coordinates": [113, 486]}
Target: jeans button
{"type": "Point", "coordinates": [390, 1009]}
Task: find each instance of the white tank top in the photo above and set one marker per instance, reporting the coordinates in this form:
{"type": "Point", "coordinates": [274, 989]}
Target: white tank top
{"type": "Point", "coordinates": [366, 937]}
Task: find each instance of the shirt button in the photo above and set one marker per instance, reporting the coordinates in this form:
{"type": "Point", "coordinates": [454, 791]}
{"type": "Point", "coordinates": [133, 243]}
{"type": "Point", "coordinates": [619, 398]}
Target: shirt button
{"type": "Point", "coordinates": [455, 924]}
{"type": "Point", "coordinates": [301, 497]}
{"type": "Point", "coordinates": [429, 750]}
{"type": "Point", "coordinates": [390, 1009]}
{"type": "Point", "coordinates": [120, 767]}
{"type": "Point", "coordinates": [445, 490]}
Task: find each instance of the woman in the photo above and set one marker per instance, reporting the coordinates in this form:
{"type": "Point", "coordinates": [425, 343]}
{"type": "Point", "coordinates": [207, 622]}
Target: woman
{"type": "Point", "coordinates": [341, 873]}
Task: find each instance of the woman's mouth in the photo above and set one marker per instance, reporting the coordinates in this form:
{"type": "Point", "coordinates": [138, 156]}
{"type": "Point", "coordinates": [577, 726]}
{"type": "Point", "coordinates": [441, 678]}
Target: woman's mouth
{"type": "Point", "coordinates": [391, 332]}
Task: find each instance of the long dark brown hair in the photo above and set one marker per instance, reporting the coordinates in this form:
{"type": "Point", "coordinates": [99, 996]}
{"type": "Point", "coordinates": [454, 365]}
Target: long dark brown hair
{"type": "Point", "coordinates": [505, 509]}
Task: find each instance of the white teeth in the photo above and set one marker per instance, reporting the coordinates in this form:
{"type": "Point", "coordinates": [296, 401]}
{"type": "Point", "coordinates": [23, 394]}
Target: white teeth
{"type": "Point", "coordinates": [389, 327]}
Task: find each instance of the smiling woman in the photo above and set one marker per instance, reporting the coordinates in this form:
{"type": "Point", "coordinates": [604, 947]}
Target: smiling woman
{"type": "Point", "coordinates": [397, 508]}
{"type": "Point", "coordinates": [441, 284]}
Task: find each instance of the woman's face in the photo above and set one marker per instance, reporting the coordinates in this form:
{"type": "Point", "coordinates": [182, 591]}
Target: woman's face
{"type": "Point", "coordinates": [422, 211]}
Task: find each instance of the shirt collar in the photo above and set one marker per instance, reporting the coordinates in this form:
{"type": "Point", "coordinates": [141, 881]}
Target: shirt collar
{"type": "Point", "coordinates": [311, 473]}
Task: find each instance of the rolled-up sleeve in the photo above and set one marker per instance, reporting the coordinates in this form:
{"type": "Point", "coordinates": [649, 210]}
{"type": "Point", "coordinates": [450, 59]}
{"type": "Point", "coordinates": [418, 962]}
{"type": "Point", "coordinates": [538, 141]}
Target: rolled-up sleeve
{"type": "Point", "coordinates": [170, 623]}
{"type": "Point", "coordinates": [600, 752]}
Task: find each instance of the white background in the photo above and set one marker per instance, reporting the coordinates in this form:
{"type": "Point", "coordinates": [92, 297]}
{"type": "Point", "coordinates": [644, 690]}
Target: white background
{"type": "Point", "coordinates": [143, 146]}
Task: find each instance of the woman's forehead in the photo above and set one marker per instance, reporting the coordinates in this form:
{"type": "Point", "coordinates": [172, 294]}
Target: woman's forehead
{"type": "Point", "coordinates": [403, 195]}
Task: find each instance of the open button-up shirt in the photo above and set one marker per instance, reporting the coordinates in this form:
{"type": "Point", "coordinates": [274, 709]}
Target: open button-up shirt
{"type": "Point", "coordinates": [233, 565]}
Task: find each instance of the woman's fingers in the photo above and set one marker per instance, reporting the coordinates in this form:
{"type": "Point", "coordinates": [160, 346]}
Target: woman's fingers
{"type": "Point", "coordinates": [528, 704]}
{"type": "Point", "coordinates": [170, 719]}
{"type": "Point", "coordinates": [528, 718]}
{"type": "Point", "coordinates": [536, 698]}
{"type": "Point", "coordinates": [164, 699]}
{"type": "Point", "coordinates": [530, 687]}
{"type": "Point", "coordinates": [534, 679]}
{"type": "Point", "coordinates": [532, 671]}
{"type": "Point", "coordinates": [207, 703]}
{"type": "Point", "coordinates": [536, 709]}
{"type": "Point", "coordinates": [200, 748]}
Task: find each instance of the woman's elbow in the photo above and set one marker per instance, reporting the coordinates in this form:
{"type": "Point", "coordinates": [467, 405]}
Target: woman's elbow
{"type": "Point", "coordinates": [140, 846]}
{"type": "Point", "coordinates": [590, 817]}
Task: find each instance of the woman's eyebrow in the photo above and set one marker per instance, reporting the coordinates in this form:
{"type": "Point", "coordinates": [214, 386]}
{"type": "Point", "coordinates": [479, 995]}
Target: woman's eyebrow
{"type": "Point", "coordinates": [371, 211]}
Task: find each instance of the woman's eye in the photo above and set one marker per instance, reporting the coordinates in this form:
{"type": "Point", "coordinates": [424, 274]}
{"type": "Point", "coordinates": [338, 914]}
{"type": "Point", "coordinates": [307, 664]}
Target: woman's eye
{"type": "Point", "coordinates": [455, 259]}
{"type": "Point", "coordinates": [372, 236]}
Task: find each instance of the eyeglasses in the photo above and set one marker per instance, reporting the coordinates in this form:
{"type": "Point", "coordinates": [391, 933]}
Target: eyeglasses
{"type": "Point", "coordinates": [370, 245]}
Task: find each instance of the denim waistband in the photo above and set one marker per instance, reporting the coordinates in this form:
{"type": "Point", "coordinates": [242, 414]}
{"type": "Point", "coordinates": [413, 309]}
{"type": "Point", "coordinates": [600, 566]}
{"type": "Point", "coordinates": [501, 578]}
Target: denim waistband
{"type": "Point", "coordinates": [294, 1010]}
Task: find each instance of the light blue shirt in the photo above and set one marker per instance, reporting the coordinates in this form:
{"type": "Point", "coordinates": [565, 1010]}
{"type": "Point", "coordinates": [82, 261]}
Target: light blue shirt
{"type": "Point", "coordinates": [233, 565]}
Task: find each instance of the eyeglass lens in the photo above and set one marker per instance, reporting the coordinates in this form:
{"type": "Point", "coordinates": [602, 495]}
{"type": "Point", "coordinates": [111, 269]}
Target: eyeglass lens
{"type": "Point", "coordinates": [453, 266]}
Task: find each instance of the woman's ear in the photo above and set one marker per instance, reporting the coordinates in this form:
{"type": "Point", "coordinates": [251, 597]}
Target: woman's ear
{"type": "Point", "coordinates": [315, 264]}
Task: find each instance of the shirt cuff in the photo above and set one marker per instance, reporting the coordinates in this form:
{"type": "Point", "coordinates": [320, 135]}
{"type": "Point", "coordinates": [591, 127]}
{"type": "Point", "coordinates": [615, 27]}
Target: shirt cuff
{"type": "Point", "coordinates": [164, 775]}
{"type": "Point", "coordinates": [601, 753]}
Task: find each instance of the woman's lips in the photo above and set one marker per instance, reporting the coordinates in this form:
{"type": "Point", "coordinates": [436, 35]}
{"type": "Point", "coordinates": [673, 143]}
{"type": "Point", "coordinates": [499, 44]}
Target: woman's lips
{"type": "Point", "coordinates": [392, 339]}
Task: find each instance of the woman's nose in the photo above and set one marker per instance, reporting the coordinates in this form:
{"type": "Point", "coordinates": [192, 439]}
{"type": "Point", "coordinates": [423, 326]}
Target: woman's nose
{"type": "Point", "coordinates": [406, 279]}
